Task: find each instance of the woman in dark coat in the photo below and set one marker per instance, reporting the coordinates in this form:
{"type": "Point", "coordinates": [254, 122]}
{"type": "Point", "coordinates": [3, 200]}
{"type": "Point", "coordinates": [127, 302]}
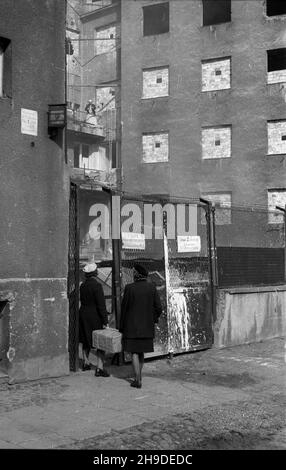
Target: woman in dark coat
{"type": "Point", "coordinates": [92, 316]}
{"type": "Point", "coordinates": [140, 310]}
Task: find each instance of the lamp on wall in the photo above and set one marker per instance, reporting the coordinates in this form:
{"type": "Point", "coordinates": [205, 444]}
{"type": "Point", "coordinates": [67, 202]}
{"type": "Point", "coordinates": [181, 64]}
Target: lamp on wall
{"type": "Point", "coordinates": [57, 119]}
{"type": "Point", "coordinates": [57, 116]}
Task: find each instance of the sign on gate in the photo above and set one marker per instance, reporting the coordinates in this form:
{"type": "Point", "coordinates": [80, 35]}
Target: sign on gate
{"type": "Point", "coordinates": [189, 244]}
{"type": "Point", "coordinates": [133, 241]}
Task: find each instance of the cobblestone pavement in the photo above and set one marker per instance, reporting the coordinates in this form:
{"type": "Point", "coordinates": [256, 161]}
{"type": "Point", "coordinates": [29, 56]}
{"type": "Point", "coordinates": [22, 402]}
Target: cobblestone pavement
{"type": "Point", "coordinates": [34, 393]}
{"type": "Point", "coordinates": [232, 398]}
{"type": "Point", "coordinates": [243, 425]}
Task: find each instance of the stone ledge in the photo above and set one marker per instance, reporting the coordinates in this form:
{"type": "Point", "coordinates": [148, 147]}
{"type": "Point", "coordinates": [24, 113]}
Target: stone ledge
{"type": "Point", "coordinates": [254, 290]}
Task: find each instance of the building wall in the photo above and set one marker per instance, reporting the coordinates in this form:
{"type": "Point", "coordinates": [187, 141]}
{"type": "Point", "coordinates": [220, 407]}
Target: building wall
{"type": "Point", "coordinates": [249, 315]}
{"type": "Point", "coordinates": [100, 56]}
{"type": "Point", "coordinates": [34, 188]}
{"type": "Point", "coordinates": [246, 106]}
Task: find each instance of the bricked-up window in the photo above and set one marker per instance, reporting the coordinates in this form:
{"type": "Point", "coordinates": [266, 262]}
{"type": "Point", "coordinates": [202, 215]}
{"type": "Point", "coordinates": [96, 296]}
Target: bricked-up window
{"type": "Point", "coordinates": [275, 7]}
{"type": "Point", "coordinates": [215, 12]}
{"type": "Point", "coordinates": [155, 82]}
{"type": "Point", "coordinates": [156, 19]}
{"type": "Point", "coordinates": [276, 137]}
{"type": "Point", "coordinates": [105, 98]}
{"type": "Point", "coordinates": [5, 68]}
{"type": "Point", "coordinates": [155, 147]}
{"type": "Point", "coordinates": [276, 197]}
{"type": "Point", "coordinates": [216, 142]}
{"type": "Point", "coordinates": [276, 65]}
{"type": "Point", "coordinates": [216, 74]}
{"type": "Point", "coordinates": [105, 39]}
{"type": "Point", "coordinates": [222, 202]}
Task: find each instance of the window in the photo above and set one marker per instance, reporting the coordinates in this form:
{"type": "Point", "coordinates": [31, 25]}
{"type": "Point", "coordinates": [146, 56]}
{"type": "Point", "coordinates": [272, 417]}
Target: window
{"type": "Point", "coordinates": [105, 39]}
{"type": "Point", "coordinates": [216, 74]}
{"type": "Point", "coordinates": [81, 155]}
{"type": "Point", "coordinates": [275, 7]}
{"type": "Point", "coordinates": [156, 19]}
{"type": "Point", "coordinates": [276, 197]}
{"type": "Point", "coordinates": [276, 65]}
{"type": "Point", "coordinates": [222, 202]}
{"type": "Point", "coordinates": [216, 142]}
{"type": "Point", "coordinates": [76, 153]}
{"type": "Point", "coordinates": [155, 147]}
{"type": "Point", "coordinates": [215, 12]}
{"type": "Point", "coordinates": [5, 68]}
{"type": "Point", "coordinates": [276, 137]}
{"type": "Point", "coordinates": [155, 82]}
{"type": "Point", "coordinates": [85, 151]}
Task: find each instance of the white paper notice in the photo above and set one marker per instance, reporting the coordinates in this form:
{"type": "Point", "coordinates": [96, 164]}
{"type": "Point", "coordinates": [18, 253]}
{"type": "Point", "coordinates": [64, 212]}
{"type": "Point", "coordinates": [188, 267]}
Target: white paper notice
{"type": "Point", "coordinates": [29, 122]}
{"type": "Point", "coordinates": [133, 241]}
{"type": "Point", "coordinates": [187, 244]}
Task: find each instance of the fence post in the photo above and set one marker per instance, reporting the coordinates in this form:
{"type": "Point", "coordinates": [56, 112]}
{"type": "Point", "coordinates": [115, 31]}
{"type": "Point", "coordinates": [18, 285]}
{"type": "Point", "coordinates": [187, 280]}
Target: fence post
{"type": "Point", "coordinates": [212, 253]}
{"type": "Point", "coordinates": [284, 215]}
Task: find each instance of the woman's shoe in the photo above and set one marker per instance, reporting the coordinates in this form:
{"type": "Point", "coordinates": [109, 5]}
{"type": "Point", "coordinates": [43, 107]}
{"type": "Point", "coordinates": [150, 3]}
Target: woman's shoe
{"type": "Point", "coordinates": [86, 367]}
{"type": "Point", "coordinates": [135, 384]}
{"type": "Point", "coordinates": [101, 373]}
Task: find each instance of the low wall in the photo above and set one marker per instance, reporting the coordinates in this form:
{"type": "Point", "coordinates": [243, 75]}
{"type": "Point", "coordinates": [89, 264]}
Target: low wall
{"type": "Point", "coordinates": [247, 315]}
{"type": "Point", "coordinates": [35, 334]}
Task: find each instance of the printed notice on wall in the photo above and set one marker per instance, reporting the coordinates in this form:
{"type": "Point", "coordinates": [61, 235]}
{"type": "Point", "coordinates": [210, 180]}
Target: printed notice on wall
{"type": "Point", "coordinates": [29, 122]}
{"type": "Point", "coordinates": [187, 244]}
{"type": "Point", "coordinates": [133, 241]}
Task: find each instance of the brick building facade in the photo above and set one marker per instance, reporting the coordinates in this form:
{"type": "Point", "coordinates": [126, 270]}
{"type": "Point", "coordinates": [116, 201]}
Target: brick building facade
{"type": "Point", "coordinates": [209, 79]}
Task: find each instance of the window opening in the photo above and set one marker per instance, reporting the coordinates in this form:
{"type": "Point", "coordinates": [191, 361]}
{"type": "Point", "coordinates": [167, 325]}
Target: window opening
{"type": "Point", "coordinates": [215, 12]}
{"type": "Point", "coordinates": [156, 19]}
{"type": "Point", "coordinates": [275, 7]}
{"type": "Point", "coordinates": [276, 59]}
{"type": "Point", "coordinates": [5, 68]}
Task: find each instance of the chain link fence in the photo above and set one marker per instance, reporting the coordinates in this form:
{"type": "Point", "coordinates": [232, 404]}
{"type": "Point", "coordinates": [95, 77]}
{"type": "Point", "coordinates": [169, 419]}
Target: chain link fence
{"type": "Point", "coordinates": [250, 246]}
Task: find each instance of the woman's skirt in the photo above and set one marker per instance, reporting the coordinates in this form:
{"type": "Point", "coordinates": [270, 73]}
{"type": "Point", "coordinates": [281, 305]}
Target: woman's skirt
{"type": "Point", "coordinates": [137, 345]}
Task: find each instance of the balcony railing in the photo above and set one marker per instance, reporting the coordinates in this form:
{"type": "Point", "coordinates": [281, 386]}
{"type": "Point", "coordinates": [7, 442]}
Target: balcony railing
{"type": "Point", "coordinates": [108, 178]}
{"type": "Point", "coordinates": [79, 121]}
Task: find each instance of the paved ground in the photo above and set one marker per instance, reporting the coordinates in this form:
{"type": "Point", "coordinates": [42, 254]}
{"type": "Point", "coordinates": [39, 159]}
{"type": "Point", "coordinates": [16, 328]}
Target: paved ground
{"type": "Point", "coordinates": [215, 399]}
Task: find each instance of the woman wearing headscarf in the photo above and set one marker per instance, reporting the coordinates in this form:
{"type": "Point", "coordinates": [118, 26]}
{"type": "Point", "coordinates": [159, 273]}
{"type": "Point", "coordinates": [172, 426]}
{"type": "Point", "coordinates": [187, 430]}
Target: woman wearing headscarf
{"type": "Point", "coordinates": [140, 310]}
{"type": "Point", "coordinates": [92, 316]}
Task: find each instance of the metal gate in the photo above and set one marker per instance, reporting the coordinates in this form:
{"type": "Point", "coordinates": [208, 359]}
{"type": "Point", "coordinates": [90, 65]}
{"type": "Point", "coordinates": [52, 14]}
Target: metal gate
{"type": "Point", "coordinates": [189, 286]}
{"type": "Point", "coordinates": [182, 274]}
{"type": "Point", "coordinates": [73, 277]}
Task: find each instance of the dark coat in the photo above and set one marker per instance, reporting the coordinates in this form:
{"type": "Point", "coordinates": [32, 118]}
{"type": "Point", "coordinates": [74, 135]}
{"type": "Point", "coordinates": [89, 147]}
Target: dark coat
{"type": "Point", "coordinates": [92, 312]}
{"type": "Point", "coordinates": [140, 310]}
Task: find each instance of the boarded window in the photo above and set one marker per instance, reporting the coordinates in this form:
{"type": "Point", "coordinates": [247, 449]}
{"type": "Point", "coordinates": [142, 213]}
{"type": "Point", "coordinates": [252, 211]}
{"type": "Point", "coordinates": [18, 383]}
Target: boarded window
{"type": "Point", "coordinates": [105, 39]}
{"type": "Point", "coordinates": [216, 74]}
{"type": "Point", "coordinates": [276, 131]}
{"type": "Point", "coordinates": [275, 7]}
{"type": "Point", "coordinates": [215, 12]}
{"type": "Point", "coordinates": [155, 147]}
{"type": "Point", "coordinates": [222, 202]}
{"type": "Point", "coordinates": [216, 142]}
{"type": "Point", "coordinates": [276, 197]}
{"type": "Point", "coordinates": [156, 19]}
{"type": "Point", "coordinates": [5, 68]}
{"type": "Point", "coordinates": [155, 82]}
{"type": "Point", "coordinates": [276, 65]}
